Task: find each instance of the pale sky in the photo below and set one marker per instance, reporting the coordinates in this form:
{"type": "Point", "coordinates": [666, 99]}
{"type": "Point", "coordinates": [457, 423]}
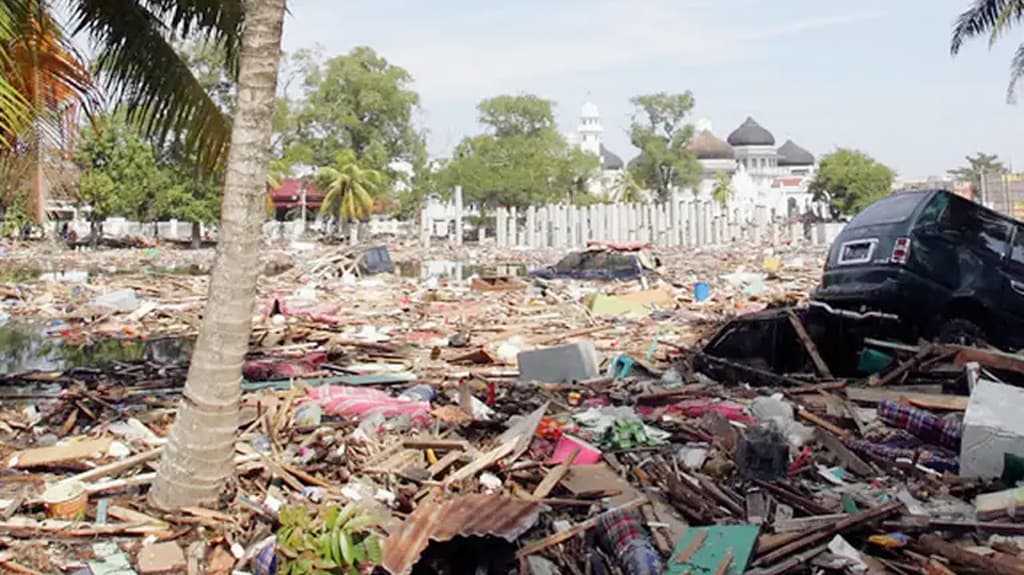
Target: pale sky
{"type": "Point", "coordinates": [874, 75]}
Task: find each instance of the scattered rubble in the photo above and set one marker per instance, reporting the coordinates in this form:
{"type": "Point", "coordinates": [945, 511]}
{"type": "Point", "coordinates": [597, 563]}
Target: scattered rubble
{"type": "Point", "coordinates": [496, 423]}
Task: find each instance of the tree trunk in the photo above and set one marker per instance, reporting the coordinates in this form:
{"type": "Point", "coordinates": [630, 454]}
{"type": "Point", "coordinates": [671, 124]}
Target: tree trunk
{"type": "Point", "coordinates": [198, 458]}
{"type": "Point", "coordinates": [353, 233]}
{"type": "Point", "coordinates": [197, 235]}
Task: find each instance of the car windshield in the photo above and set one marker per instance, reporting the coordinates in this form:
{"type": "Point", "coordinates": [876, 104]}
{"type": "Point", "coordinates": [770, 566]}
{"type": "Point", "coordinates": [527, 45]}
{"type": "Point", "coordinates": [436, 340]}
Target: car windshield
{"type": "Point", "coordinates": [891, 210]}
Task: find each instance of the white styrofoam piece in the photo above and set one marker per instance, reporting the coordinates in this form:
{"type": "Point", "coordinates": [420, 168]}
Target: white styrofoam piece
{"type": "Point", "coordinates": [993, 426]}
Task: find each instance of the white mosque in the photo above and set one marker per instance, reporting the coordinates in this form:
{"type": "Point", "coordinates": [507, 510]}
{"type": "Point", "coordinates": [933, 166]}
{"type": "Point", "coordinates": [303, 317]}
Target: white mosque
{"type": "Point", "coordinates": [760, 173]}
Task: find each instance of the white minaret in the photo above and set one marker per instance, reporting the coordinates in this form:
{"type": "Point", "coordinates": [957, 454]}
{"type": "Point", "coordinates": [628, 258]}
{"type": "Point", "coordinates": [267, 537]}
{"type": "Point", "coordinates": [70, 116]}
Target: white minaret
{"type": "Point", "coordinates": [591, 131]}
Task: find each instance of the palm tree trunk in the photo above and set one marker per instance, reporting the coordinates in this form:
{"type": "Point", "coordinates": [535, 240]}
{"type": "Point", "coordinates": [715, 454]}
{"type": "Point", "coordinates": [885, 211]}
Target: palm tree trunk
{"type": "Point", "coordinates": [198, 458]}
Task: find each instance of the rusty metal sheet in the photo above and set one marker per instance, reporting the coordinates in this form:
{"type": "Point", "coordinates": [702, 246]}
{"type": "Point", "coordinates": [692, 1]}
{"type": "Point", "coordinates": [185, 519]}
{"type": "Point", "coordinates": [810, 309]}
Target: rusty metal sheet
{"type": "Point", "coordinates": [469, 515]}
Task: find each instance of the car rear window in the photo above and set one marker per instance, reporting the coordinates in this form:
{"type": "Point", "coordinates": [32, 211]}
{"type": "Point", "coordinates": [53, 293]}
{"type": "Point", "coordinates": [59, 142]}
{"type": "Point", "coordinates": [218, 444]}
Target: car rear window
{"type": "Point", "coordinates": [890, 210]}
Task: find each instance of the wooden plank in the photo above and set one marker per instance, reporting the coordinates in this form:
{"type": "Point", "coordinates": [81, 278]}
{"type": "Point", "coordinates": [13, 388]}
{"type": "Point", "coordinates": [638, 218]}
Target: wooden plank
{"type": "Point", "coordinates": [902, 369]}
{"type": "Point", "coordinates": [84, 449]}
{"type": "Point", "coordinates": [483, 462]}
{"type": "Point", "coordinates": [922, 400]}
{"type": "Point", "coordinates": [118, 466]}
{"type": "Point", "coordinates": [848, 458]}
{"type": "Point", "coordinates": [812, 350]}
{"type": "Point", "coordinates": [555, 476]}
{"type": "Point", "coordinates": [822, 423]}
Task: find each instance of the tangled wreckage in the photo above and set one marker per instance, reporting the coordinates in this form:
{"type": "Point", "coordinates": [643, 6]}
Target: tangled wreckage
{"type": "Point", "coordinates": [495, 424]}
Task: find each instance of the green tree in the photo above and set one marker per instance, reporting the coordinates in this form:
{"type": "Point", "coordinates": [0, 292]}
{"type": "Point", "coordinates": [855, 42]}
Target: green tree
{"type": "Point", "coordinates": [977, 167]}
{"type": "Point", "coordinates": [188, 193]}
{"type": "Point", "coordinates": [991, 18]}
{"type": "Point", "coordinates": [661, 133]}
{"type": "Point", "coordinates": [523, 115]}
{"type": "Point", "coordinates": [98, 192]}
{"type": "Point", "coordinates": [358, 101]}
{"type": "Point", "coordinates": [198, 458]}
{"type": "Point", "coordinates": [521, 159]}
{"type": "Point", "coordinates": [849, 181]}
{"type": "Point", "coordinates": [116, 151]}
{"type": "Point", "coordinates": [349, 188]}
{"type": "Point", "coordinates": [723, 190]}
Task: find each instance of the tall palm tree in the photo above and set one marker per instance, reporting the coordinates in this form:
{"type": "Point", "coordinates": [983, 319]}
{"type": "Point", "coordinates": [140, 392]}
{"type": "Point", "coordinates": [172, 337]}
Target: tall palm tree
{"type": "Point", "coordinates": [198, 457]}
{"type": "Point", "coordinates": [992, 18]}
{"type": "Point", "coordinates": [350, 188]}
{"type": "Point", "coordinates": [722, 190]}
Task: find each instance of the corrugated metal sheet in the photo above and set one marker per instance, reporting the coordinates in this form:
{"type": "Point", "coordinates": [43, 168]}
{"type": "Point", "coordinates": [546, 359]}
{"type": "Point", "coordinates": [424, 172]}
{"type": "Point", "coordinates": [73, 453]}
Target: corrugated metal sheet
{"type": "Point", "coordinates": [469, 515]}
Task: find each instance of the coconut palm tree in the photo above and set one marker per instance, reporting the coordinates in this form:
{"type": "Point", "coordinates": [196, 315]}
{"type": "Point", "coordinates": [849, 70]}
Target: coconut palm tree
{"type": "Point", "coordinates": [627, 189]}
{"type": "Point", "coordinates": [722, 190]}
{"type": "Point", "coordinates": [992, 18]}
{"type": "Point", "coordinates": [198, 457]}
{"type": "Point", "coordinates": [350, 188]}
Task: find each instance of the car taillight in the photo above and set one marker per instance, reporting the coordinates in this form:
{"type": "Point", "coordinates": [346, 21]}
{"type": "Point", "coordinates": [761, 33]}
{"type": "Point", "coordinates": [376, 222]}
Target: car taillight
{"type": "Point", "coordinates": [900, 251]}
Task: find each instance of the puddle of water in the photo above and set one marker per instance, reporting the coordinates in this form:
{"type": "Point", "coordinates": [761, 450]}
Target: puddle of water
{"type": "Point", "coordinates": [443, 269]}
{"type": "Point", "coordinates": [29, 348]}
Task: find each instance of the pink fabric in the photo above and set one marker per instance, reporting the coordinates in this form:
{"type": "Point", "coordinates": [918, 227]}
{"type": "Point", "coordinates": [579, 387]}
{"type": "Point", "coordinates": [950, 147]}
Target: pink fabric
{"type": "Point", "coordinates": [356, 402]}
{"type": "Point", "coordinates": [620, 246]}
{"type": "Point", "coordinates": [303, 309]}
{"type": "Point", "coordinates": [264, 369]}
{"type": "Point", "coordinates": [698, 407]}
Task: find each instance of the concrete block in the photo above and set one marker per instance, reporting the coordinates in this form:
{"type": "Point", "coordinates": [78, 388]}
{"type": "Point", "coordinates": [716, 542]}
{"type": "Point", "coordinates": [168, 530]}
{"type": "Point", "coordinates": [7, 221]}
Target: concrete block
{"type": "Point", "coordinates": [562, 364]}
{"type": "Point", "coordinates": [992, 427]}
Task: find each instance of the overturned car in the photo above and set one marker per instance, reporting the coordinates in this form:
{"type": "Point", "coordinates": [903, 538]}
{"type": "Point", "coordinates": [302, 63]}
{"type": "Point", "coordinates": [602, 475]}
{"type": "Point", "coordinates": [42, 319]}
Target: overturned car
{"type": "Point", "coordinates": [949, 267]}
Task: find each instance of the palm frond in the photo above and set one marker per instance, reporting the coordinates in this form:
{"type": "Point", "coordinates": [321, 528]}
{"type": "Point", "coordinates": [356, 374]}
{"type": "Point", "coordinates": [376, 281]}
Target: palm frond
{"type": "Point", "coordinates": [991, 17]}
{"type": "Point", "coordinates": [15, 110]}
{"type": "Point", "coordinates": [1016, 74]}
{"type": "Point", "coordinates": [140, 66]}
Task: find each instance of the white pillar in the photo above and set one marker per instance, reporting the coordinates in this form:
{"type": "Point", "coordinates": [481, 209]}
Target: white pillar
{"type": "Point", "coordinates": [513, 227]}
{"type": "Point", "coordinates": [499, 227]}
{"type": "Point", "coordinates": [531, 226]}
{"type": "Point", "coordinates": [571, 222]}
{"type": "Point", "coordinates": [458, 215]}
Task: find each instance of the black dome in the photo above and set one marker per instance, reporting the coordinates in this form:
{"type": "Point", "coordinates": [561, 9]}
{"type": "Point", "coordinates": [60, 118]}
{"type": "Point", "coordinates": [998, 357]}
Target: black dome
{"type": "Point", "coordinates": [610, 161]}
{"type": "Point", "coordinates": [791, 154]}
{"type": "Point", "coordinates": [750, 133]}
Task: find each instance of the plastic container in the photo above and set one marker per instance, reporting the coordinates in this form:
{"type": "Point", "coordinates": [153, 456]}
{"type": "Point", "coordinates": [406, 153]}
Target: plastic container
{"type": "Point", "coordinates": [66, 500]}
{"type": "Point", "coordinates": [588, 454]}
{"type": "Point", "coordinates": [702, 291]}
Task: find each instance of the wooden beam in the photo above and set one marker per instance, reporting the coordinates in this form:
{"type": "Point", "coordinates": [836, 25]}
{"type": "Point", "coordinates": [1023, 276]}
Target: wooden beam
{"type": "Point", "coordinates": [812, 350]}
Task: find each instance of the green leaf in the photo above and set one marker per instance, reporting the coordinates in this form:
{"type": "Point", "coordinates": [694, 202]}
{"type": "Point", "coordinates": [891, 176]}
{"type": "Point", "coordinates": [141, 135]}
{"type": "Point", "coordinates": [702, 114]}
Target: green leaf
{"type": "Point", "coordinates": [347, 550]}
{"type": "Point", "coordinates": [373, 551]}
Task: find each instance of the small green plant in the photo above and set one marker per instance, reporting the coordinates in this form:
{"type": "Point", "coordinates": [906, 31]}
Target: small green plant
{"type": "Point", "coordinates": [336, 541]}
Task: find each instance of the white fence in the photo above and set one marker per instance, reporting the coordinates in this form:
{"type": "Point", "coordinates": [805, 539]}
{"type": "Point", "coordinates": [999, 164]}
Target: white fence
{"type": "Point", "coordinates": [678, 222]}
{"type": "Point", "coordinates": [182, 230]}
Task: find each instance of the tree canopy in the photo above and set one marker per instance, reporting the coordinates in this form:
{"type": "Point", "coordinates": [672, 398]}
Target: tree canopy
{"type": "Point", "coordinates": [849, 180]}
{"type": "Point", "coordinates": [357, 101]}
{"type": "Point", "coordinates": [521, 159]}
{"type": "Point", "coordinates": [977, 166]}
{"type": "Point", "coordinates": [661, 132]}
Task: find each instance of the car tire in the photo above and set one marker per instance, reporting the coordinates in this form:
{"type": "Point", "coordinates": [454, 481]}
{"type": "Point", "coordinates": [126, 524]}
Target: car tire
{"type": "Point", "coordinates": [962, 332]}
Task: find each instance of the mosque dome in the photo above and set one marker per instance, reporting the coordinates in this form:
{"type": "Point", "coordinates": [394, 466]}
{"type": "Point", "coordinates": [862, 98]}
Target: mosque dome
{"type": "Point", "coordinates": [610, 160]}
{"type": "Point", "coordinates": [790, 154]}
{"type": "Point", "coordinates": [589, 110]}
{"type": "Point", "coordinates": [706, 146]}
{"type": "Point", "coordinates": [750, 133]}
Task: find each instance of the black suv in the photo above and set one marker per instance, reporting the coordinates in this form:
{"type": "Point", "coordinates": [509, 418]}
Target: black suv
{"type": "Point", "coordinates": [949, 267]}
